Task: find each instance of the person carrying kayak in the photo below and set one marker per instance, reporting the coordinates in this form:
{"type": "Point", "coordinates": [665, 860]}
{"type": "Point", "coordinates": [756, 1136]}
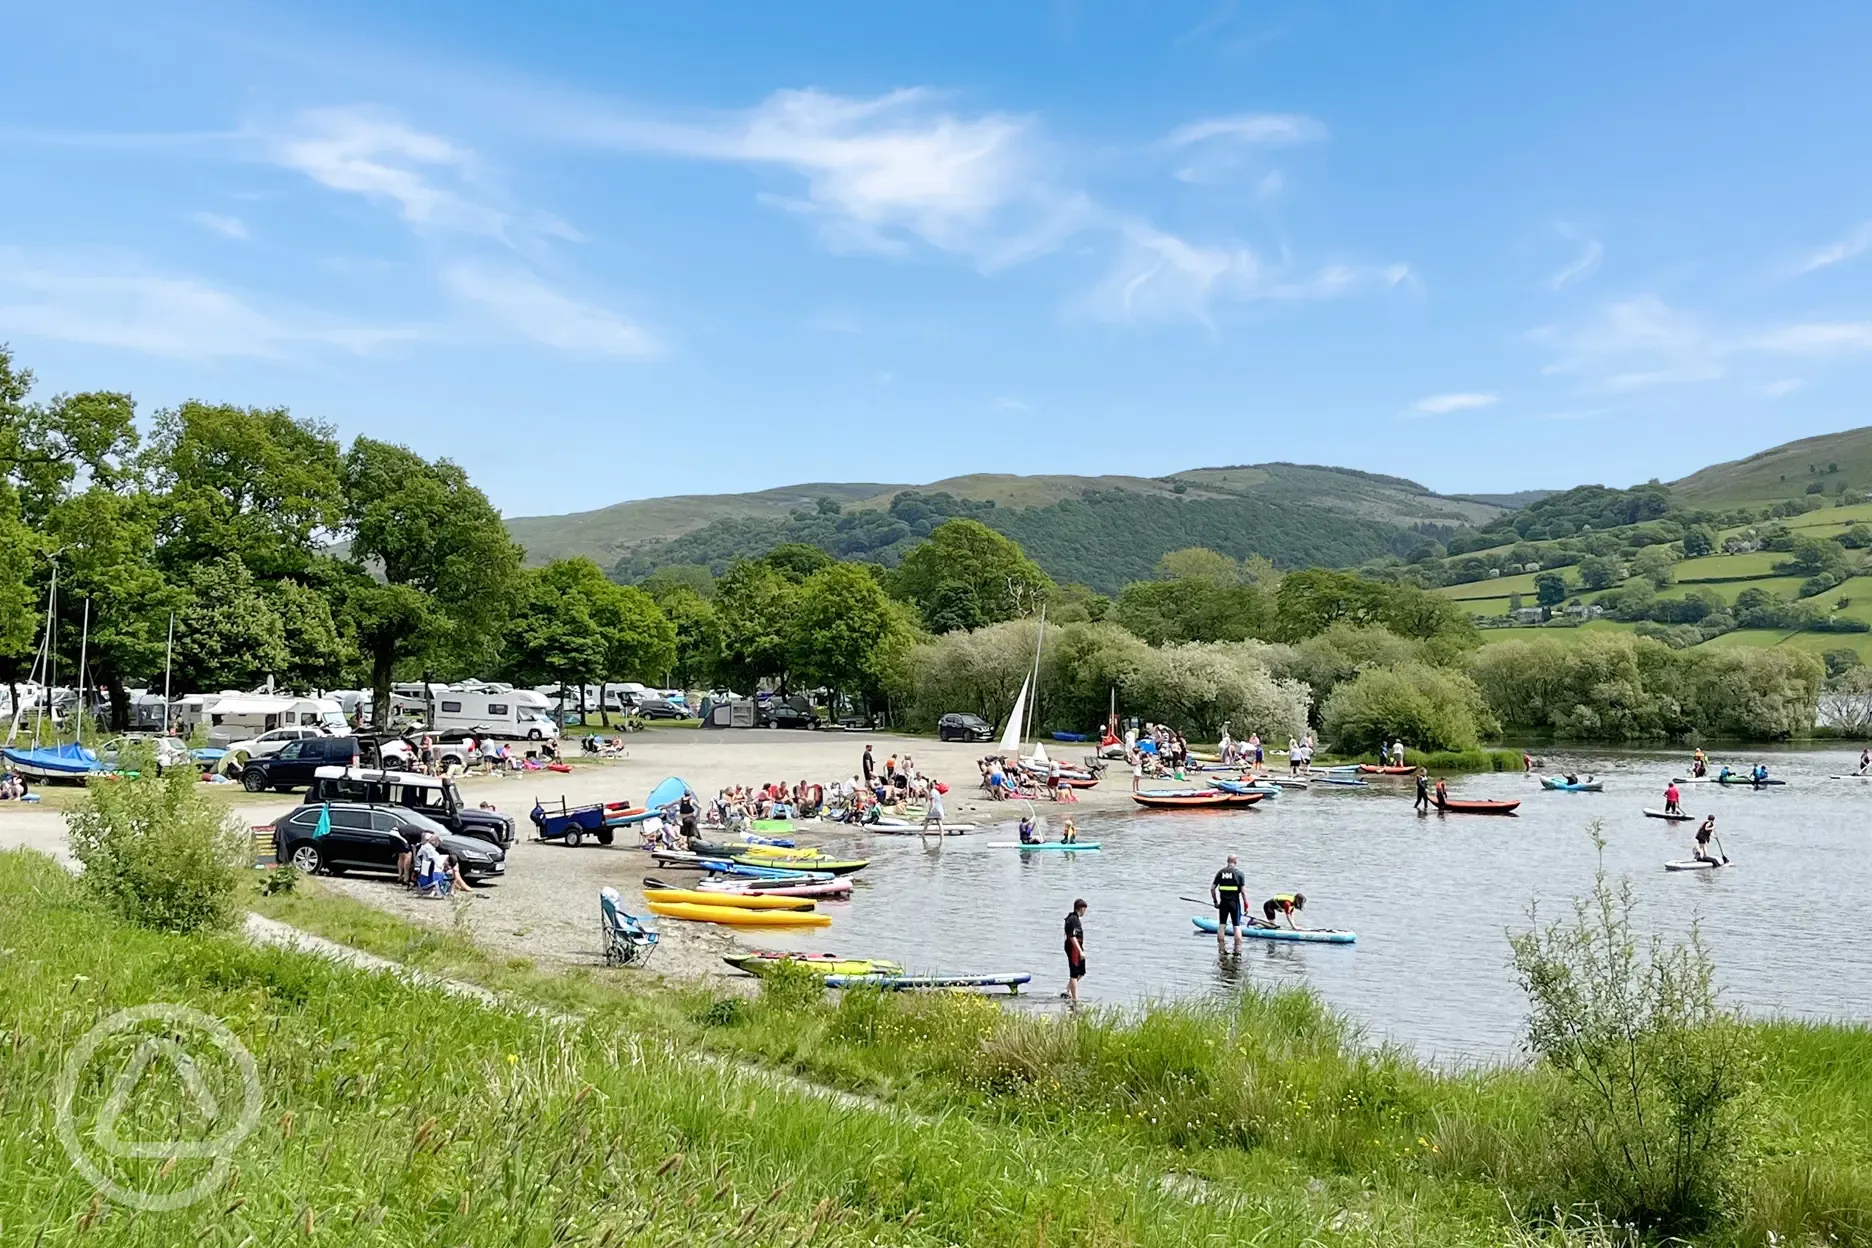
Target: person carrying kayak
{"type": "Point", "coordinates": [1703, 835]}
{"type": "Point", "coordinates": [1423, 790]}
{"type": "Point", "coordinates": [1075, 950]}
{"type": "Point", "coordinates": [1671, 799]}
{"type": "Point", "coordinates": [1225, 891]}
{"type": "Point", "coordinates": [1283, 903]}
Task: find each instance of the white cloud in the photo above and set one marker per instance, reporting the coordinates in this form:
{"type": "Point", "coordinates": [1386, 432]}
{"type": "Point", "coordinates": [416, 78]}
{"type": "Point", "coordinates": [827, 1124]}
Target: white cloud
{"type": "Point", "coordinates": [1259, 129]}
{"type": "Point", "coordinates": [1592, 251]}
{"type": "Point", "coordinates": [113, 300]}
{"type": "Point", "coordinates": [884, 170]}
{"type": "Point", "coordinates": [1461, 401]}
{"type": "Point", "coordinates": [1634, 343]}
{"type": "Point", "coordinates": [1787, 385]}
{"type": "Point", "coordinates": [525, 305]}
{"type": "Point", "coordinates": [1846, 248]}
{"type": "Point", "coordinates": [1006, 404]}
{"type": "Point", "coordinates": [227, 227]}
{"type": "Point", "coordinates": [1817, 338]}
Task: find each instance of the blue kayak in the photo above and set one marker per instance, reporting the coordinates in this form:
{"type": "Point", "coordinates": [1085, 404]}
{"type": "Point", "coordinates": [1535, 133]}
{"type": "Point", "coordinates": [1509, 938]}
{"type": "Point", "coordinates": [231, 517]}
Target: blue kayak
{"type": "Point", "coordinates": [1281, 933]}
{"type": "Point", "coordinates": [1243, 786]}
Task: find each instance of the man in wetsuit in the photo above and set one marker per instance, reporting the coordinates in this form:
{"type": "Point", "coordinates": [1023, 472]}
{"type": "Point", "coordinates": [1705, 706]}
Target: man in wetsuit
{"type": "Point", "coordinates": [1075, 951]}
{"type": "Point", "coordinates": [1225, 891]}
{"type": "Point", "coordinates": [1423, 791]}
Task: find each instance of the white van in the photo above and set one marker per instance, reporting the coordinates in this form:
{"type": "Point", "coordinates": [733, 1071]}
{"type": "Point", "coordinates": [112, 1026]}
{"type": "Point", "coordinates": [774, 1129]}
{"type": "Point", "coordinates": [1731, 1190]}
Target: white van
{"type": "Point", "coordinates": [243, 716]}
{"type": "Point", "coordinates": [496, 714]}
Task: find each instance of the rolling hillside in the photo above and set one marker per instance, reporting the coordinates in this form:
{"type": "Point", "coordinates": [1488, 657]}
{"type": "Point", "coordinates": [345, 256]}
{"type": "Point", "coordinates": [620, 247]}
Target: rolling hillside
{"type": "Point", "coordinates": [1831, 460]}
{"type": "Point", "coordinates": [1362, 515]}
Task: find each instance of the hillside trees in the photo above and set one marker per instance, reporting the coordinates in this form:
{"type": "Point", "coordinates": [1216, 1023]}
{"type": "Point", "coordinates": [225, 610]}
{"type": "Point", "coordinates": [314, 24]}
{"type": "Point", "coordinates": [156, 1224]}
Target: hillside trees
{"type": "Point", "coordinates": [1431, 708]}
{"type": "Point", "coordinates": [966, 555]}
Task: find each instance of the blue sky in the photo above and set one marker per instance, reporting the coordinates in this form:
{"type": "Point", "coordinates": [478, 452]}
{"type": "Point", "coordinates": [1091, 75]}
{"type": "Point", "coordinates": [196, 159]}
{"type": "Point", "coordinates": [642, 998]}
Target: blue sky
{"type": "Point", "coordinates": [597, 252]}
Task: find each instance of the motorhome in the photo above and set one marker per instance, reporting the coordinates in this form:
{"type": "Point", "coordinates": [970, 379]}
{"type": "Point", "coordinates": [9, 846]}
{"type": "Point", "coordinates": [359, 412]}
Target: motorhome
{"type": "Point", "coordinates": [242, 716]}
{"type": "Point", "coordinates": [516, 713]}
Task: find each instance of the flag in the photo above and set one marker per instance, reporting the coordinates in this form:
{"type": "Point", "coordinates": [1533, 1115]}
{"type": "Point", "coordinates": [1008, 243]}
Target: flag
{"type": "Point", "coordinates": [324, 823]}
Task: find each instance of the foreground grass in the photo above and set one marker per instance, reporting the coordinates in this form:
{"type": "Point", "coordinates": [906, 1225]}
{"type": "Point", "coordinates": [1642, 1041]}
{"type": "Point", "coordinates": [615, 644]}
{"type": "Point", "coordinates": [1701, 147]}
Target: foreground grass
{"type": "Point", "coordinates": [396, 1115]}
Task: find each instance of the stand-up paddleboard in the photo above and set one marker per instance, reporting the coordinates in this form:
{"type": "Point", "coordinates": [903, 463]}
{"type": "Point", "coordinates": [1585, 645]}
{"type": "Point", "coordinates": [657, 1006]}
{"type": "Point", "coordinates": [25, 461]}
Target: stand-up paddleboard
{"type": "Point", "coordinates": [1855, 776]}
{"type": "Point", "coordinates": [1043, 845]}
{"type": "Point", "coordinates": [1660, 814]}
{"type": "Point", "coordinates": [1311, 936]}
{"type": "Point", "coordinates": [1694, 864]}
{"type": "Point", "coordinates": [903, 983]}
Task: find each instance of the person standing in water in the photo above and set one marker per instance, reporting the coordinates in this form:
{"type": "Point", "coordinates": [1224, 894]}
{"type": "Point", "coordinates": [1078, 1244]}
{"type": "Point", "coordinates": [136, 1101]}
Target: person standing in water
{"type": "Point", "coordinates": [1423, 791]}
{"type": "Point", "coordinates": [1225, 892]}
{"type": "Point", "coordinates": [1075, 950]}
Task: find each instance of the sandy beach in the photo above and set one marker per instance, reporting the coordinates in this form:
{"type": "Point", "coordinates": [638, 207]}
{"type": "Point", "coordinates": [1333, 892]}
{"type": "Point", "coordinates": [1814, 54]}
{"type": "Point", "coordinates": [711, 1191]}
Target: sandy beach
{"type": "Point", "coordinates": [546, 907]}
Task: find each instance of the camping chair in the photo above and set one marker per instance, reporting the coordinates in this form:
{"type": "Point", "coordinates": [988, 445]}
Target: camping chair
{"type": "Point", "coordinates": [627, 942]}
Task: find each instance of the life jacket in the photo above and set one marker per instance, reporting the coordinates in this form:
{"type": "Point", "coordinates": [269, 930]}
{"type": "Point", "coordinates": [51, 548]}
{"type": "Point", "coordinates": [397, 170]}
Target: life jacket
{"type": "Point", "coordinates": [1284, 902]}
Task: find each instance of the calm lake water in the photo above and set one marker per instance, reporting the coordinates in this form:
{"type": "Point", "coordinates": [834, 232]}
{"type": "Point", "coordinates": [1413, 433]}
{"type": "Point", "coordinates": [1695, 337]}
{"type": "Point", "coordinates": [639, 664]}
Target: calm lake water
{"type": "Point", "coordinates": [1430, 898]}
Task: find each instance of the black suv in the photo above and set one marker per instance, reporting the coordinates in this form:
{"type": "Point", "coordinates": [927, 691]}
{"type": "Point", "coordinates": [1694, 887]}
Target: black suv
{"type": "Point", "coordinates": [959, 727]}
{"type": "Point", "coordinates": [362, 836]}
{"type": "Point", "coordinates": [435, 797]}
{"type": "Point", "coordinates": [658, 708]}
{"type": "Point", "coordinates": [297, 762]}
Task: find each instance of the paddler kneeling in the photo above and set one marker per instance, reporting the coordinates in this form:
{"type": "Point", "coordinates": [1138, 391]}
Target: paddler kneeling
{"type": "Point", "coordinates": [1027, 836]}
{"type": "Point", "coordinates": [1279, 904]}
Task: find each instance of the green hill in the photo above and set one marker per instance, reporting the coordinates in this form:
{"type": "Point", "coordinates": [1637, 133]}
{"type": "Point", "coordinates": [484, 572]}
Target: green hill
{"type": "Point", "coordinates": [1290, 512]}
{"type": "Point", "coordinates": [1832, 460]}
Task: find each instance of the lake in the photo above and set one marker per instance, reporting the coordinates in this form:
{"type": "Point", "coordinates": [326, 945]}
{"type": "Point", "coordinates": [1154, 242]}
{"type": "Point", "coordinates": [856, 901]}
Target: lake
{"type": "Point", "coordinates": [1431, 898]}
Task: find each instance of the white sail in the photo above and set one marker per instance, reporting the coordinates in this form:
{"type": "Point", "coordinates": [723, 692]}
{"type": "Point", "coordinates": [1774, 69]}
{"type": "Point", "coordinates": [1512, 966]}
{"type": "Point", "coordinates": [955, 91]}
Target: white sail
{"type": "Point", "coordinates": [1039, 756]}
{"type": "Point", "coordinates": [1011, 735]}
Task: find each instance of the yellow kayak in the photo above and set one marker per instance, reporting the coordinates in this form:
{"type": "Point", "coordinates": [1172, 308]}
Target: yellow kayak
{"type": "Point", "coordinates": [741, 901]}
{"type": "Point", "coordinates": [736, 917]}
{"type": "Point", "coordinates": [776, 851]}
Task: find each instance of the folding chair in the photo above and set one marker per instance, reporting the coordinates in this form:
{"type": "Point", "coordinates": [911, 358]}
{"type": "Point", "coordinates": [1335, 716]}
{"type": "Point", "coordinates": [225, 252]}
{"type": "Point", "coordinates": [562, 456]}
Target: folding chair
{"type": "Point", "coordinates": [627, 942]}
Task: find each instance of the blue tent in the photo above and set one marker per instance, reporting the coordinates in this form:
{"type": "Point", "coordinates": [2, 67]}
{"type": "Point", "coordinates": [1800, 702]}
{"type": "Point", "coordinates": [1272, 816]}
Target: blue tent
{"type": "Point", "coordinates": [668, 793]}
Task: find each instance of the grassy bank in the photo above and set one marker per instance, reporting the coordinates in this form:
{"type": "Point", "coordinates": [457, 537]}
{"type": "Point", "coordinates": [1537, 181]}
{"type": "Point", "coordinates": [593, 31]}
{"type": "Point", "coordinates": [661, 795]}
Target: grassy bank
{"type": "Point", "coordinates": [396, 1115]}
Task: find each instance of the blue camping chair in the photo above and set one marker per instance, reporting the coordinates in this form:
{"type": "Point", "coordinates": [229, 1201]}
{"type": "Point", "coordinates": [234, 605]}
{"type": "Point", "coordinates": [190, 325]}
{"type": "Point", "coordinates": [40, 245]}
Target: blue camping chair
{"type": "Point", "coordinates": [627, 942]}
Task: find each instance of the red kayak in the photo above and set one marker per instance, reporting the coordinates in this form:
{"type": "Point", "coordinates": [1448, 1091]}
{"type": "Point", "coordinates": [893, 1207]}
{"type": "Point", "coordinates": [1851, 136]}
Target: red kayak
{"type": "Point", "coordinates": [1473, 807]}
{"type": "Point", "coordinates": [1197, 799]}
{"type": "Point", "coordinates": [1367, 769]}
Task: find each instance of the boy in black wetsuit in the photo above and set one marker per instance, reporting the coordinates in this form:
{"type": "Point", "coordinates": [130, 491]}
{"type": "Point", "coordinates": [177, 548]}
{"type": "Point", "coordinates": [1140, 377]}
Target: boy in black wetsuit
{"type": "Point", "coordinates": [1075, 950]}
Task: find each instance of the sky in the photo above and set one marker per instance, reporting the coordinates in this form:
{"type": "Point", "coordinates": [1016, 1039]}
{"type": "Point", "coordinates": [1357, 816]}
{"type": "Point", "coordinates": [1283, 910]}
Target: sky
{"type": "Point", "coordinates": [595, 252]}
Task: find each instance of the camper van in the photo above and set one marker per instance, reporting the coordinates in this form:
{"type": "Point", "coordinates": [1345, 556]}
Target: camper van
{"type": "Point", "coordinates": [243, 716]}
{"type": "Point", "coordinates": [512, 714]}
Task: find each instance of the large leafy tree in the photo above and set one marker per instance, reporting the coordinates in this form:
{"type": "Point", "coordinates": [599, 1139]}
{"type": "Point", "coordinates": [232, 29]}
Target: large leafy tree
{"type": "Point", "coordinates": [840, 623]}
{"type": "Point", "coordinates": [550, 637]}
{"type": "Point", "coordinates": [698, 634]}
{"type": "Point", "coordinates": [229, 633]}
{"type": "Point", "coordinates": [1003, 581]}
{"type": "Point", "coordinates": [444, 572]}
{"type": "Point", "coordinates": [754, 604]}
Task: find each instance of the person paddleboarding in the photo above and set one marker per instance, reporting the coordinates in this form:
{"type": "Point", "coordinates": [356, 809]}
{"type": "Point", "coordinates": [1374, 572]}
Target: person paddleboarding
{"type": "Point", "coordinates": [1672, 798]}
{"type": "Point", "coordinates": [1703, 835]}
{"type": "Point", "coordinates": [1225, 891]}
{"type": "Point", "coordinates": [1283, 904]}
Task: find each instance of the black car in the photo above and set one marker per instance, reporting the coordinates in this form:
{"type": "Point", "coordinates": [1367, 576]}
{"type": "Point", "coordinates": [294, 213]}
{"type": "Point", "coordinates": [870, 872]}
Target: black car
{"type": "Point", "coordinates": [433, 796]}
{"type": "Point", "coordinates": [363, 836]}
{"type": "Point", "coordinates": [298, 762]}
{"type": "Point", "coordinates": [960, 727]}
{"type": "Point", "coordinates": [658, 708]}
{"type": "Point", "coordinates": [785, 715]}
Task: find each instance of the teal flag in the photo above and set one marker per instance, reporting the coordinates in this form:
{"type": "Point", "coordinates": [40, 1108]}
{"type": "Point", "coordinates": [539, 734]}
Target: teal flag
{"type": "Point", "coordinates": [324, 823]}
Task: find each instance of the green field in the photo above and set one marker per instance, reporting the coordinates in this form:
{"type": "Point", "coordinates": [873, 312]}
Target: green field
{"type": "Point", "coordinates": [1727, 567]}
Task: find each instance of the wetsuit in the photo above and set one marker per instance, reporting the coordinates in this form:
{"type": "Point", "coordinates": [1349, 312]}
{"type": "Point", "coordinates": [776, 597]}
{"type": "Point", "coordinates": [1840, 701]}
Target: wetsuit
{"type": "Point", "coordinates": [1075, 947]}
{"type": "Point", "coordinates": [1423, 793]}
{"type": "Point", "coordinates": [1228, 886]}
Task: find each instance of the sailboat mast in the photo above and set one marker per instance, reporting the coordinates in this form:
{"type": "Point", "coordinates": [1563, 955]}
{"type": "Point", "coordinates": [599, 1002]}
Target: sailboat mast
{"type": "Point", "coordinates": [84, 647]}
{"type": "Point", "coordinates": [1039, 640]}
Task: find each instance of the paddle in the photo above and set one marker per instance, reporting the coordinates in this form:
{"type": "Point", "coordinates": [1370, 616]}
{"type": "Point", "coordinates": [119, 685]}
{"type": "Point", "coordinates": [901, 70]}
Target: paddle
{"type": "Point", "coordinates": [1719, 847]}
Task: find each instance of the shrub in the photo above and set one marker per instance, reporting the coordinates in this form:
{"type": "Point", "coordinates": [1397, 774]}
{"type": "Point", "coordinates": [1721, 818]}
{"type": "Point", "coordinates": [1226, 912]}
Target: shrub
{"type": "Point", "coordinates": [1431, 708]}
{"type": "Point", "coordinates": [1651, 1121]}
{"type": "Point", "coordinates": [157, 850]}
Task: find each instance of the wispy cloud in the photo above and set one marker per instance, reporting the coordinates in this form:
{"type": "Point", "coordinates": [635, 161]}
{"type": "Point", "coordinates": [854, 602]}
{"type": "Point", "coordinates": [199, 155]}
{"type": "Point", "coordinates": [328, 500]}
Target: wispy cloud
{"type": "Point", "coordinates": [365, 152]}
{"type": "Point", "coordinates": [1460, 401]}
{"type": "Point", "coordinates": [518, 300]}
{"type": "Point", "coordinates": [1159, 276]}
{"type": "Point", "coordinates": [227, 227]}
{"type": "Point", "coordinates": [115, 300]}
{"type": "Point", "coordinates": [1583, 265]}
{"type": "Point", "coordinates": [1263, 129]}
{"type": "Point", "coordinates": [1816, 338]}
{"type": "Point", "coordinates": [1007, 404]}
{"type": "Point", "coordinates": [1633, 343]}
{"type": "Point", "coordinates": [1787, 385]}
{"type": "Point", "coordinates": [1853, 244]}
{"type": "Point", "coordinates": [884, 171]}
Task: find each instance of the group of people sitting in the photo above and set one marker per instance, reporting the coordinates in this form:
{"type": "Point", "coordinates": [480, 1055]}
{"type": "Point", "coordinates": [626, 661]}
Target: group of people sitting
{"type": "Point", "coordinates": [604, 747]}
{"type": "Point", "coordinates": [1003, 781]}
{"type": "Point", "coordinates": [739, 805]}
{"type": "Point", "coordinates": [482, 756]}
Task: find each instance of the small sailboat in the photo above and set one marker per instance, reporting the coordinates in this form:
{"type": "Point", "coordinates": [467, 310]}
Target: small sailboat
{"type": "Point", "coordinates": [71, 760]}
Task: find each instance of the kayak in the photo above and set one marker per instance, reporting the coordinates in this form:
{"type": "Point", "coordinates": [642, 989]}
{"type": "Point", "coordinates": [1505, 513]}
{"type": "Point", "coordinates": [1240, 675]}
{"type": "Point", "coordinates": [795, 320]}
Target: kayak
{"type": "Point", "coordinates": [778, 842]}
{"type": "Point", "coordinates": [901, 983]}
{"type": "Point", "coordinates": [1658, 814]}
{"type": "Point", "coordinates": [1472, 806]}
{"type": "Point", "coordinates": [1289, 782]}
{"type": "Point", "coordinates": [1193, 799]}
{"type": "Point", "coordinates": [1572, 786]}
{"type": "Point", "coordinates": [734, 916]}
{"type": "Point", "coordinates": [1348, 769]}
{"type": "Point", "coordinates": [759, 850]}
{"type": "Point", "coordinates": [778, 888]}
{"type": "Point", "coordinates": [837, 866]}
{"type": "Point", "coordinates": [1693, 864]}
{"type": "Point", "coordinates": [1042, 845]}
{"type": "Point", "coordinates": [827, 963]}
{"type": "Point", "coordinates": [1317, 937]}
{"type": "Point", "coordinates": [1747, 781]}
{"type": "Point", "coordinates": [1367, 769]}
{"type": "Point", "coordinates": [911, 829]}
{"type": "Point", "coordinates": [1240, 786]}
{"type": "Point", "coordinates": [724, 866]}
{"type": "Point", "coordinates": [1347, 782]}
{"type": "Point", "coordinates": [743, 901]}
